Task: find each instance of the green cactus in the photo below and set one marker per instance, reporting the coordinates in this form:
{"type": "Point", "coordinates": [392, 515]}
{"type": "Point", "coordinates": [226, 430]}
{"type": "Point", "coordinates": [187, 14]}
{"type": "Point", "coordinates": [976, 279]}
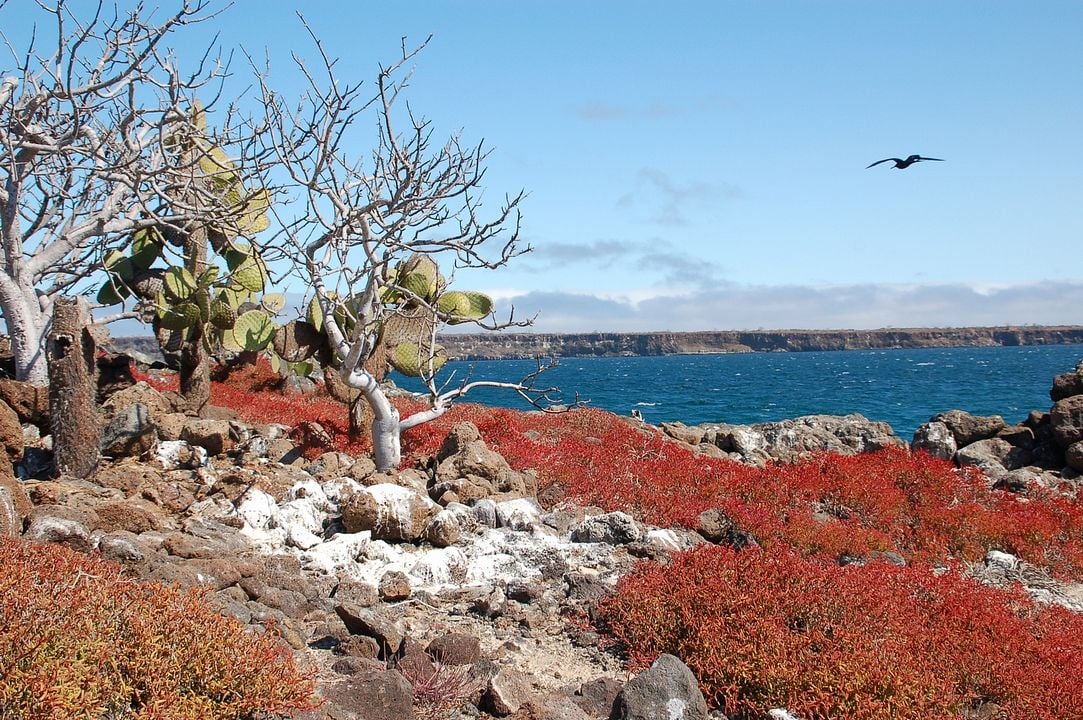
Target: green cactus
{"type": "Point", "coordinates": [180, 316]}
{"type": "Point", "coordinates": [252, 331]}
{"type": "Point", "coordinates": [458, 306]}
{"type": "Point", "coordinates": [179, 284]}
{"type": "Point", "coordinates": [412, 360]}
{"type": "Point", "coordinates": [194, 302]}
{"type": "Point", "coordinates": [221, 315]}
{"type": "Point", "coordinates": [147, 246]}
{"type": "Point", "coordinates": [421, 277]}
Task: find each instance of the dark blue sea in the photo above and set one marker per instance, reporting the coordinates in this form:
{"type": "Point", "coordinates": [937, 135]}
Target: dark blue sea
{"type": "Point", "coordinates": [901, 387]}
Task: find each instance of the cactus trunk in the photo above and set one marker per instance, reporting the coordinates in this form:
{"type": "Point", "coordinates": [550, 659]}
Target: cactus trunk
{"type": "Point", "coordinates": [195, 366]}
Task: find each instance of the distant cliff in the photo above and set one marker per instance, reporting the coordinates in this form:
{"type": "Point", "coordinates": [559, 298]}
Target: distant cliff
{"type": "Point", "coordinates": [503, 346]}
{"type": "Point", "coordinates": [497, 346]}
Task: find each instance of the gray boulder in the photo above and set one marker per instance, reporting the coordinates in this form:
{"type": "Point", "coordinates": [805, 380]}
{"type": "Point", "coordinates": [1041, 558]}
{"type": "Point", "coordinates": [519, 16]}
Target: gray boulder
{"type": "Point", "coordinates": [370, 695]}
{"type": "Point", "coordinates": [376, 624]}
{"type": "Point", "coordinates": [508, 691]}
{"type": "Point", "coordinates": [1066, 419]}
{"type": "Point", "coordinates": [216, 436]}
{"type": "Point", "coordinates": [716, 526]}
{"type": "Point", "coordinates": [967, 428]}
{"type": "Point", "coordinates": [1067, 384]}
{"type": "Point", "coordinates": [130, 432]}
{"type": "Point", "coordinates": [993, 456]}
{"type": "Point", "coordinates": [615, 528]}
{"type": "Point", "coordinates": [936, 439]}
{"type": "Point", "coordinates": [794, 439]}
{"type": "Point", "coordinates": [467, 469]}
{"type": "Point", "coordinates": [693, 435]}
{"type": "Point", "coordinates": [1073, 456]}
{"type": "Point", "coordinates": [667, 690]}
{"type": "Point", "coordinates": [14, 503]}
{"type": "Point", "coordinates": [390, 512]}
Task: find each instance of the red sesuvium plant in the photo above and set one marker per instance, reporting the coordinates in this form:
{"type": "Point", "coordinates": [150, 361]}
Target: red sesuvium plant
{"type": "Point", "coordinates": [786, 625]}
{"type": "Point", "coordinates": [79, 639]}
{"type": "Point", "coordinates": [770, 628]}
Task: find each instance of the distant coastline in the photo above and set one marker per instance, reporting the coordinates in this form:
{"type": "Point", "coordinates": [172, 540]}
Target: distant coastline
{"type": "Point", "coordinates": [517, 346]}
{"type": "Point", "coordinates": [506, 346]}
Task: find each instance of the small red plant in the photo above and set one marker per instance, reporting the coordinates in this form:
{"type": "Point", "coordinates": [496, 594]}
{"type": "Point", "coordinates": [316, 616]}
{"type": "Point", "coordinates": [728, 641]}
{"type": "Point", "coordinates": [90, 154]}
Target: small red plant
{"type": "Point", "coordinates": [438, 687]}
{"type": "Point", "coordinates": [764, 629]}
{"type": "Point", "coordinates": [79, 639]}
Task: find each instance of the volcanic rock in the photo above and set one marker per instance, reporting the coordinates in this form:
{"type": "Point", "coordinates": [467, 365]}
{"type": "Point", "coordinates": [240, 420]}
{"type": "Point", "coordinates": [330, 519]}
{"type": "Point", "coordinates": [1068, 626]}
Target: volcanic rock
{"type": "Point", "coordinates": [11, 433]}
{"type": "Point", "coordinates": [936, 439]}
{"type": "Point", "coordinates": [791, 440]}
{"type": "Point", "coordinates": [615, 528]}
{"type": "Point", "coordinates": [1067, 384]}
{"type": "Point", "coordinates": [967, 428]}
{"type": "Point", "coordinates": [130, 432]}
{"type": "Point", "coordinates": [1066, 419]}
{"type": "Point", "coordinates": [667, 689]}
{"type": "Point", "coordinates": [389, 512]}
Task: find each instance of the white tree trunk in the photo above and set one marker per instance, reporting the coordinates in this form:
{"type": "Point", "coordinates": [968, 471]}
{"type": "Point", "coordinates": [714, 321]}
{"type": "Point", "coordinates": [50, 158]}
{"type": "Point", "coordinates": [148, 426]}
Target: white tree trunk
{"type": "Point", "coordinates": [386, 442]}
{"type": "Point", "coordinates": [386, 428]}
{"type": "Point", "coordinates": [26, 325]}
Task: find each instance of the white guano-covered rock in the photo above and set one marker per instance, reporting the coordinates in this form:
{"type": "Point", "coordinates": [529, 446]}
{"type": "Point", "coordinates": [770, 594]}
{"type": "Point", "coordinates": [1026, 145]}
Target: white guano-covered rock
{"type": "Point", "coordinates": [521, 514]}
{"type": "Point", "coordinates": [389, 512]}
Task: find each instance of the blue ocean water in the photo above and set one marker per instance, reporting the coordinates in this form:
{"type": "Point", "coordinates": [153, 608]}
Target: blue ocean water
{"type": "Point", "coordinates": [901, 387]}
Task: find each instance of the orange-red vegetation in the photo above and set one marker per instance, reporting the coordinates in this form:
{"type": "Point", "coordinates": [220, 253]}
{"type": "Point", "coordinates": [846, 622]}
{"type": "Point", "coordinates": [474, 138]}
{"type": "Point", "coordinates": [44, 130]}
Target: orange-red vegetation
{"type": "Point", "coordinates": [766, 629]}
{"type": "Point", "coordinates": [79, 639]}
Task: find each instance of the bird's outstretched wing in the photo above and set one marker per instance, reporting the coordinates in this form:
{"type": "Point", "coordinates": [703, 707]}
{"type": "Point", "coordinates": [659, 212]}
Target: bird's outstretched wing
{"type": "Point", "coordinates": [937, 159]}
{"type": "Point", "coordinates": [884, 161]}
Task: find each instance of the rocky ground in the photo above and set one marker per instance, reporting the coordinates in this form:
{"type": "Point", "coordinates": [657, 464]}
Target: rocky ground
{"type": "Point", "coordinates": [454, 580]}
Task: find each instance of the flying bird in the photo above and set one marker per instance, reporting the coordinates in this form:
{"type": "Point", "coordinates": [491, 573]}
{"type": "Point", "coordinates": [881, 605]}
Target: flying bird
{"type": "Point", "coordinates": [903, 164]}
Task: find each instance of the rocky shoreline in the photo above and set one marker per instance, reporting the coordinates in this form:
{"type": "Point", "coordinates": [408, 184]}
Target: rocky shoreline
{"type": "Point", "coordinates": [376, 579]}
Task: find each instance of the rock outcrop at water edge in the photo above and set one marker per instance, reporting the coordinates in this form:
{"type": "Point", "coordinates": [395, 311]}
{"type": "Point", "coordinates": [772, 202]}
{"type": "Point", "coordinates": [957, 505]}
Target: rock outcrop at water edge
{"type": "Point", "coordinates": [1046, 448]}
{"type": "Point", "coordinates": [788, 440]}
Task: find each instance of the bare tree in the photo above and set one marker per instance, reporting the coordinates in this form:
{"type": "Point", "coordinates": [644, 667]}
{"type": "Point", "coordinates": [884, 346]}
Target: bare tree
{"type": "Point", "coordinates": [87, 113]}
{"type": "Point", "coordinates": [371, 235]}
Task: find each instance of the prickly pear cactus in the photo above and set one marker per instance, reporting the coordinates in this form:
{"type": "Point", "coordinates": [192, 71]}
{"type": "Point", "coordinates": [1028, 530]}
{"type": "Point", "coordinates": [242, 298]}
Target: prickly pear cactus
{"type": "Point", "coordinates": [416, 300]}
{"type": "Point", "coordinates": [180, 304]}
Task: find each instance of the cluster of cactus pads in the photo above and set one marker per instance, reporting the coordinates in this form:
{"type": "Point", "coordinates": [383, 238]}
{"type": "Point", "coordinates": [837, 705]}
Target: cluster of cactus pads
{"type": "Point", "coordinates": [415, 301]}
{"type": "Point", "coordinates": [229, 308]}
{"type": "Point", "coordinates": [225, 305]}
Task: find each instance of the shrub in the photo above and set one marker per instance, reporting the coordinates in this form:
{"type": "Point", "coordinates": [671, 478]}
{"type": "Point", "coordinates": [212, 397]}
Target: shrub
{"type": "Point", "coordinates": [438, 687]}
{"type": "Point", "coordinates": [764, 629]}
{"type": "Point", "coordinates": [79, 639]}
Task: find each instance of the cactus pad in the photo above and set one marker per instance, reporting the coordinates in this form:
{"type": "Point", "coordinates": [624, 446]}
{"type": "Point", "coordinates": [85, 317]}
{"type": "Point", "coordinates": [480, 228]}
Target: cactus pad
{"type": "Point", "coordinates": [222, 316]}
{"type": "Point", "coordinates": [462, 306]}
{"type": "Point", "coordinates": [179, 317]}
{"type": "Point", "coordinates": [147, 244]}
{"type": "Point", "coordinates": [252, 331]}
{"type": "Point", "coordinates": [250, 274]}
{"type": "Point", "coordinates": [179, 283]}
{"type": "Point", "coordinates": [409, 359]}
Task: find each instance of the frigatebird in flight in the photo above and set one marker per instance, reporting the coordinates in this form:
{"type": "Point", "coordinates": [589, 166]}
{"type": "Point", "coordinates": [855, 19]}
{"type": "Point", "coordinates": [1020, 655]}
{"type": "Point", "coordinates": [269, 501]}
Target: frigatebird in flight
{"type": "Point", "coordinates": [903, 164]}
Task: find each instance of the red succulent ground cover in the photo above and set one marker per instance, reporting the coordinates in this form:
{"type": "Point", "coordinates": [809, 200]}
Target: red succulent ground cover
{"type": "Point", "coordinates": [765, 629]}
{"type": "Point", "coordinates": [79, 639]}
{"type": "Point", "coordinates": [787, 626]}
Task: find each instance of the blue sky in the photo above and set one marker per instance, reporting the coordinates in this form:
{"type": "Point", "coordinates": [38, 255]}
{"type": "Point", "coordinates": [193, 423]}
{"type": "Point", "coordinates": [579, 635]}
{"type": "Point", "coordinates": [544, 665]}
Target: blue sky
{"type": "Point", "coordinates": [701, 165]}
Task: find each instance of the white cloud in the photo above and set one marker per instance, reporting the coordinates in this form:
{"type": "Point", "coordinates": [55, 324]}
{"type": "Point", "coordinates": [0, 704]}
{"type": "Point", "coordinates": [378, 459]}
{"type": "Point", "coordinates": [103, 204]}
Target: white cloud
{"type": "Point", "coordinates": [737, 307]}
{"type": "Point", "coordinates": [752, 307]}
